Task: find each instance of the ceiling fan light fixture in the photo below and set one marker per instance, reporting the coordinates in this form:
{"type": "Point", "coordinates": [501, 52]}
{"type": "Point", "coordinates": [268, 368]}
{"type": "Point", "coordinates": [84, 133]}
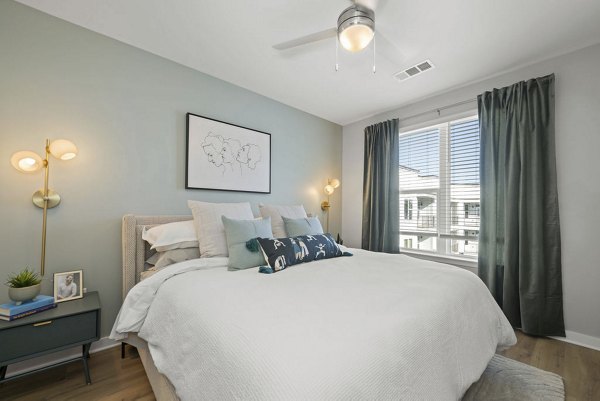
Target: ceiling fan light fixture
{"type": "Point", "coordinates": [356, 27]}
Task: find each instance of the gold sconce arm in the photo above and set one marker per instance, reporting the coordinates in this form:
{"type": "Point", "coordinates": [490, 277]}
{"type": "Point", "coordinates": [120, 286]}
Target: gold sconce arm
{"type": "Point", "coordinates": [43, 200]}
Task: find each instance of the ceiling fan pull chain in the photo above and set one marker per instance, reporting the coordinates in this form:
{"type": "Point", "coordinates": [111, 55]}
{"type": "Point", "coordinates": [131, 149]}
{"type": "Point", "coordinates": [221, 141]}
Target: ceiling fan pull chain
{"type": "Point", "coordinates": [337, 66]}
{"type": "Point", "coordinates": [374, 67]}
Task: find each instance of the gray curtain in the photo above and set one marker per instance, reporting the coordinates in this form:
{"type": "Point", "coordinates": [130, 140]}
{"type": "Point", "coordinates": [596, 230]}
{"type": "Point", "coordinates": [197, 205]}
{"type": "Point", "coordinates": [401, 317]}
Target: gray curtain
{"type": "Point", "coordinates": [381, 197]}
{"type": "Point", "coordinates": [519, 239]}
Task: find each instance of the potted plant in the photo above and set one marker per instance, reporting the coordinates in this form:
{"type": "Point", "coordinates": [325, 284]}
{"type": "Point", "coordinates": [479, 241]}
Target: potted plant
{"type": "Point", "coordinates": [23, 286]}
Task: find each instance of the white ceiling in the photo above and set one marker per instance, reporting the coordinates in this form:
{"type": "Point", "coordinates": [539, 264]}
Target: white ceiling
{"type": "Point", "coordinates": [467, 40]}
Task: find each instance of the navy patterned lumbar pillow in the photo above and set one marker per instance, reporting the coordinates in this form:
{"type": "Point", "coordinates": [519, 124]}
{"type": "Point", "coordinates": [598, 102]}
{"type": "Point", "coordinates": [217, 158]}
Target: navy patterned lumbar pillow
{"type": "Point", "coordinates": [283, 252]}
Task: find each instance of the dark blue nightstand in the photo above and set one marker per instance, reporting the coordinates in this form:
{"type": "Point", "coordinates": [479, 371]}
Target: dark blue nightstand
{"type": "Point", "coordinates": [70, 324]}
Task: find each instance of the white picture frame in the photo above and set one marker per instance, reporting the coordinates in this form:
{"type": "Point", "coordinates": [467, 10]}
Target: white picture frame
{"type": "Point", "coordinates": [68, 286]}
{"type": "Point", "coordinates": [226, 157]}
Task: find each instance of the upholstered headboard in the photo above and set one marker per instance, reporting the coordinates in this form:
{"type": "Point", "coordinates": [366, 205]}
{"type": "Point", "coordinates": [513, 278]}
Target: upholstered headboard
{"type": "Point", "coordinates": [135, 250]}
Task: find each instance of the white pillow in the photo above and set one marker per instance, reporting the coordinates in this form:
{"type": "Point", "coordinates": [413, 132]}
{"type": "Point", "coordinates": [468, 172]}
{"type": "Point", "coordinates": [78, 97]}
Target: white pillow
{"type": "Point", "coordinates": [209, 226]}
{"type": "Point", "coordinates": [164, 237]}
{"type": "Point", "coordinates": [275, 212]}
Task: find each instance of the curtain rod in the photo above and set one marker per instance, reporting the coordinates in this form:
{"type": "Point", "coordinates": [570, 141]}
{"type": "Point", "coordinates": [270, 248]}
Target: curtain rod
{"type": "Point", "coordinates": [439, 109]}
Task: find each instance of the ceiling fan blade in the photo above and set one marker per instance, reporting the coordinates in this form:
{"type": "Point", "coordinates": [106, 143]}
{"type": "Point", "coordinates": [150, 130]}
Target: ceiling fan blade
{"type": "Point", "coordinates": [388, 50]}
{"type": "Point", "coordinates": [314, 37]}
{"type": "Point", "coordinates": [375, 5]}
{"type": "Point", "coordinates": [370, 4]}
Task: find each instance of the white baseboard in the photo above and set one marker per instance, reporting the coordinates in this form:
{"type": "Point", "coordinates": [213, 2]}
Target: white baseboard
{"type": "Point", "coordinates": [580, 339]}
{"type": "Point", "coordinates": [50, 359]}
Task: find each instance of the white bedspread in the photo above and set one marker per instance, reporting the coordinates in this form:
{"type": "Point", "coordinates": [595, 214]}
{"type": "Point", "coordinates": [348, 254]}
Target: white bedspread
{"type": "Point", "coordinates": [368, 327]}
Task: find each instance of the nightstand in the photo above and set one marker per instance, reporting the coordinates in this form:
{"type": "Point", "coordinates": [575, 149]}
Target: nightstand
{"type": "Point", "coordinates": [70, 324]}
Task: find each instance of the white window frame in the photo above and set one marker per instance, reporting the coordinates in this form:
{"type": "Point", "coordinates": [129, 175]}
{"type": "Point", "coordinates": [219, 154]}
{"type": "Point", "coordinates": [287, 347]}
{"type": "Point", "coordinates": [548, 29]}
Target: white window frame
{"type": "Point", "coordinates": [467, 262]}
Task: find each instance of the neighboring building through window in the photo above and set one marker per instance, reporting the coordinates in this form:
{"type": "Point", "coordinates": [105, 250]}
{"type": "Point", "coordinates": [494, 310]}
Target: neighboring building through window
{"type": "Point", "coordinates": [439, 174]}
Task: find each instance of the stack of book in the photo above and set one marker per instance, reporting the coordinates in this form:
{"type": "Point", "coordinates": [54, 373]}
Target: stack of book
{"type": "Point", "coordinates": [40, 303]}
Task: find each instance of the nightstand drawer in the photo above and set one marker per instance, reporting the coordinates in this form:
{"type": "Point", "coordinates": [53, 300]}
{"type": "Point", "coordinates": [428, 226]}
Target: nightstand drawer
{"type": "Point", "coordinates": [46, 335]}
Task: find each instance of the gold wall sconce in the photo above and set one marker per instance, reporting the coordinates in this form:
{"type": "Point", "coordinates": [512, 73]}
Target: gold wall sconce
{"type": "Point", "coordinates": [27, 161]}
{"type": "Point", "coordinates": [329, 189]}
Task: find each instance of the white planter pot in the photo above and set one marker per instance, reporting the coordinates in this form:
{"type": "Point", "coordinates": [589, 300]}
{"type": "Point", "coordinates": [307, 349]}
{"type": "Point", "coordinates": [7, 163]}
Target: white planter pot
{"type": "Point", "coordinates": [19, 295]}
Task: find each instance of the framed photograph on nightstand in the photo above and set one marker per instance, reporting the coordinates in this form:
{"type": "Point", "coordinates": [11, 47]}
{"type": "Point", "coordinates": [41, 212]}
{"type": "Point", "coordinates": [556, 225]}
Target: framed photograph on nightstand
{"type": "Point", "coordinates": [68, 285]}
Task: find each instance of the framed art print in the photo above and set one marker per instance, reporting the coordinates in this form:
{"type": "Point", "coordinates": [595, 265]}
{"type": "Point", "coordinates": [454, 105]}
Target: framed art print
{"type": "Point", "coordinates": [68, 286]}
{"type": "Point", "coordinates": [226, 157]}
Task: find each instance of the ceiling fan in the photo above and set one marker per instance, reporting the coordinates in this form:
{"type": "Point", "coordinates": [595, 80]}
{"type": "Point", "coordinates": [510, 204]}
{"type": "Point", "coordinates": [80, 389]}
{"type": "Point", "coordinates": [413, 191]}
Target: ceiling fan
{"type": "Point", "coordinates": [355, 30]}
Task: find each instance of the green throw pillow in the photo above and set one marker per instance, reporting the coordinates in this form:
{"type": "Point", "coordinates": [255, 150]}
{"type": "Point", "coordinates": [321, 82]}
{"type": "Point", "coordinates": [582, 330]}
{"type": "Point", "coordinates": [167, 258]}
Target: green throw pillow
{"type": "Point", "coordinates": [302, 226]}
{"type": "Point", "coordinates": [238, 232]}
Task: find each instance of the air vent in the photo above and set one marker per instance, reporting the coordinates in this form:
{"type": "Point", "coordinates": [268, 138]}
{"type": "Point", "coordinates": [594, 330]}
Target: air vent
{"type": "Point", "coordinates": [424, 66]}
{"type": "Point", "coordinates": [414, 70]}
{"type": "Point", "coordinates": [401, 76]}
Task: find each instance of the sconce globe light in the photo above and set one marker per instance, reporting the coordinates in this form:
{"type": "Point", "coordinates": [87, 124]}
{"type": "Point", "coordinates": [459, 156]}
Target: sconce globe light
{"type": "Point", "coordinates": [356, 27]}
{"type": "Point", "coordinates": [28, 162]}
{"type": "Point", "coordinates": [63, 149]}
{"type": "Point", "coordinates": [329, 189]}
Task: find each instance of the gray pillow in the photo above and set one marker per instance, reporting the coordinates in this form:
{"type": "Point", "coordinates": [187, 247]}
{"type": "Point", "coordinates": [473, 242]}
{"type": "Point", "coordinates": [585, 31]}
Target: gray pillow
{"type": "Point", "coordinates": [164, 259]}
{"type": "Point", "coordinates": [303, 226]}
{"type": "Point", "coordinates": [153, 259]}
{"type": "Point", "coordinates": [238, 232]}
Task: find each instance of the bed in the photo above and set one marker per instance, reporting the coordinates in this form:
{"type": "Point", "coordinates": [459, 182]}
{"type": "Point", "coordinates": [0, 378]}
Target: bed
{"type": "Point", "coordinates": [370, 326]}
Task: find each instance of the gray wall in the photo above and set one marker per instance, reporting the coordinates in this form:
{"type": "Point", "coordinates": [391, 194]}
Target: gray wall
{"type": "Point", "coordinates": [125, 110]}
{"type": "Point", "coordinates": [578, 164]}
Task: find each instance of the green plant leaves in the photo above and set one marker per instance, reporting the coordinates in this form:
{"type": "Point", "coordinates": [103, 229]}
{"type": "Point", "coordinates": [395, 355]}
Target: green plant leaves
{"type": "Point", "coordinates": [25, 278]}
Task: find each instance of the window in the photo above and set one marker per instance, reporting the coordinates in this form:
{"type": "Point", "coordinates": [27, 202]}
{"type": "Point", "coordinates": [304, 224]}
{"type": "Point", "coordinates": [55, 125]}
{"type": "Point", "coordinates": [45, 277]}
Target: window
{"type": "Point", "coordinates": [439, 174]}
{"type": "Point", "coordinates": [407, 209]}
{"type": "Point", "coordinates": [472, 209]}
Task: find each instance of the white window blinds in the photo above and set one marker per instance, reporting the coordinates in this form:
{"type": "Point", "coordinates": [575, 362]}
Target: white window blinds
{"type": "Point", "coordinates": [439, 188]}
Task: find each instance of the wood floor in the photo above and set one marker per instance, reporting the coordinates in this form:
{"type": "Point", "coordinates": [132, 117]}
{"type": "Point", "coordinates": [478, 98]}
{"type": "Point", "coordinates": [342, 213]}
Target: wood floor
{"type": "Point", "coordinates": [124, 379]}
{"type": "Point", "coordinates": [579, 366]}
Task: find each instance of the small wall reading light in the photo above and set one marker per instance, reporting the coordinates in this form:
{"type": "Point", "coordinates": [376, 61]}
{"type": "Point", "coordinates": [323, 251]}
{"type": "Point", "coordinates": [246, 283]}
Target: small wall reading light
{"type": "Point", "coordinates": [329, 189]}
{"type": "Point", "coordinates": [30, 162]}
